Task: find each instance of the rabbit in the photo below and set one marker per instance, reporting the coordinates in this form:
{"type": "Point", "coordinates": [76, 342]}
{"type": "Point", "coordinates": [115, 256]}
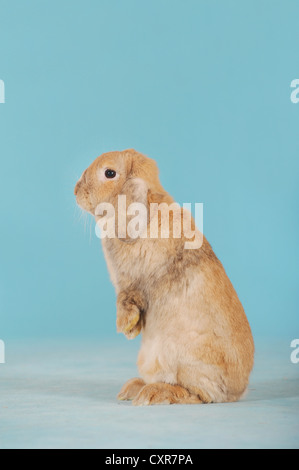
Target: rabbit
{"type": "Point", "coordinates": [197, 346]}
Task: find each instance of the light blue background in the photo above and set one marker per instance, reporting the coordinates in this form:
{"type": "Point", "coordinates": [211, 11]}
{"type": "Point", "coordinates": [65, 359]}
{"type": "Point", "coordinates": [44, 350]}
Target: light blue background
{"type": "Point", "coordinates": [203, 87]}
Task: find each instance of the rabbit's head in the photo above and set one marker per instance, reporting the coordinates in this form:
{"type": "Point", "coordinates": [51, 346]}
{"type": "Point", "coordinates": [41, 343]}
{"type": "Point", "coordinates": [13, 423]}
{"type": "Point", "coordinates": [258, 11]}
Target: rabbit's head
{"type": "Point", "coordinates": [127, 172]}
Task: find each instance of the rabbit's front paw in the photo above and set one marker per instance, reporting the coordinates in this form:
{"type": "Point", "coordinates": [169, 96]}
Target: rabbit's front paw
{"type": "Point", "coordinates": [130, 305]}
{"type": "Point", "coordinates": [131, 334]}
{"type": "Point", "coordinates": [128, 320]}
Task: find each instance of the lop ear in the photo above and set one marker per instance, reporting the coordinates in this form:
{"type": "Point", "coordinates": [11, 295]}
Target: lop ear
{"type": "Point", "coordinates": [132, 210]}
{"type": "Point", "coordinates": [135, 190]}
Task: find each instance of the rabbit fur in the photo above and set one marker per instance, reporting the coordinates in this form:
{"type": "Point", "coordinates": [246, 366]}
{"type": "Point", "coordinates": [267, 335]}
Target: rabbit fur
{"type": "Point", "coordinates": [197, 345]}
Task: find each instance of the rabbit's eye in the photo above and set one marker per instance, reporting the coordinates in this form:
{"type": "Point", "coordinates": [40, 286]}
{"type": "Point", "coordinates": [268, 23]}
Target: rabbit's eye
{"type": "Point", "coordinates": [110, 173]}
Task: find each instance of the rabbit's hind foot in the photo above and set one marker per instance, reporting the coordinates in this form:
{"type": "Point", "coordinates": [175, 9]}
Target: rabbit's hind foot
{"type": "Point", "coordinates": [161, 393]}
{"type": "Point", "coordinates": [131, 389]}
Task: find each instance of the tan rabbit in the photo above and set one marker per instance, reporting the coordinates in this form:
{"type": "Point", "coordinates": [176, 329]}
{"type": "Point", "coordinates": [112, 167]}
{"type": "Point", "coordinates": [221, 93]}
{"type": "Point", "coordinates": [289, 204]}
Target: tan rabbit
{"type": "Point", "coordinates": [197, 345]}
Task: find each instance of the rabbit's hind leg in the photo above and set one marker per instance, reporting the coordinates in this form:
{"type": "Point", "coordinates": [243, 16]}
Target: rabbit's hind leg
{"type": "Point", "coordinates": [131, 389]}
{"type": "Point", "coordinates": [161, 393]}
